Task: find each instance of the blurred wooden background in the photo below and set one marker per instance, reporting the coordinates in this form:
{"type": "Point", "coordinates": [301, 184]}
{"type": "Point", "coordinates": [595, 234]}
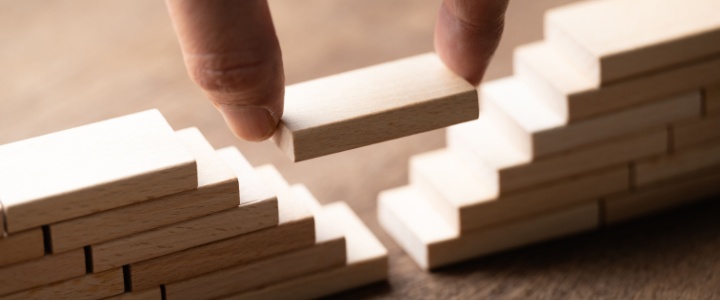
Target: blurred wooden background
{"type": "Point", "coordinates": [68, 63]}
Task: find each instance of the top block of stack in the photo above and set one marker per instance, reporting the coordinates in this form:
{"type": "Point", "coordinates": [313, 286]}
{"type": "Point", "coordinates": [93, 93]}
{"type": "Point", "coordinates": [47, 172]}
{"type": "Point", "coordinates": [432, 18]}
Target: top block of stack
{"type": "Point", "coordinates": [618, 39]}
{"type": "Point", "coordinates": [371, 105]}
{"type": "Point", "coordinates": [92, 168]}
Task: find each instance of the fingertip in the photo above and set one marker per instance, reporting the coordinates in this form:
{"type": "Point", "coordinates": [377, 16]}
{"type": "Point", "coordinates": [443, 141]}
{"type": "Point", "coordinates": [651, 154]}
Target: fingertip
{"type": "Point", "coordinates": [250, 123]}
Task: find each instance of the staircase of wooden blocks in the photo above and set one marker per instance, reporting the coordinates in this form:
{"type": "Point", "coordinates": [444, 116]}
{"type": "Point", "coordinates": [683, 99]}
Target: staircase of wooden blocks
{"type": "Point", "coordinates": [615, 115]}
{"type": "Point", "coordinates": [128, 208]}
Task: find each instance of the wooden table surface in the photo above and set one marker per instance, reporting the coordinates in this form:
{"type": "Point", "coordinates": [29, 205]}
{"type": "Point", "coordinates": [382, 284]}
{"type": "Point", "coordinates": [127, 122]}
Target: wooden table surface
{"type": "Point", "coordinates": [68, 63]}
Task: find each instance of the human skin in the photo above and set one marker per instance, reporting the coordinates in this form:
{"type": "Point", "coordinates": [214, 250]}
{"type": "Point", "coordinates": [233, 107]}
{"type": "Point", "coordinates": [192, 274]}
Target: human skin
{"type": "Point", "coordinates": [232, 53]}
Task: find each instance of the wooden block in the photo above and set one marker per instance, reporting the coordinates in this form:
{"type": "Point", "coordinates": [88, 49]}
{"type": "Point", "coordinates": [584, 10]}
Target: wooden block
{"type": "Point", "coordinates": [296, 230]}
{"type": "Point", "coordinates": [696, 131]}
{"type": "Point", "coordinates": [468, 198]}
{"type": "Point", "coordinates": [86, 287]}
{"type": "Point", "coordinates": [367, 262]}
{"type": "Point", "coordinates": [432, 243]}
{"type": "Point", "coordinates": [681, 162]}
{"type": "Point", "coordinates": [22, 246]}
{"type": "Point", "coordinates": [574, 97]}
{"type": "Point", "coordinates": [712, 99]}
{"type": "Point", "coordinates": [481, 145]}
{"type": "Point", "coordinates": [41, 271]}
{"type": "Point", "coordinates": [371, 105]}
{"type": "Point", "coordinates": [617, 39]}
{"type": "Point", "coordinates": [538, 131]}
{"type": "Point", "coordinates": [328, 252]}
{"type": "Point", "coordinates": [258, 210]}
{"type": "Point", "coordinates": [92, 168]}
{"type": "Point", "coordinates": [151, 294]}
{"type": "Point", "coordinates": [663, 195]}
{"type": "Point", "coordinates": [217, 190]}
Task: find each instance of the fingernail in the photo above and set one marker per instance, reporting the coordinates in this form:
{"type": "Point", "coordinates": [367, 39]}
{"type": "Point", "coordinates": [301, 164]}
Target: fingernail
{"type": "Point", "coordinates": [250, 123]}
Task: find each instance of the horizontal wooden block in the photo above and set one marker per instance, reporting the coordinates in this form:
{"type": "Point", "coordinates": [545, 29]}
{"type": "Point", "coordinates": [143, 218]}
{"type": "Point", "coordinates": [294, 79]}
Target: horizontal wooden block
{"type": "Point", "coordinates": [328, 252]}
{"type": "Point", "coordinates": [616, 39]}
{"type": "Point", "coordinates": [296, 230]}
{"type": "Point", "coordinates": [371, 105]}
{"type": "Point", "coordinates": [681, 162]}
{"type": "Point", "coordinates": [431, 242]}
{"type": "Point", "coordinates": [367, 262]}
{"type": "Point", "coordinates": [22, 246]}
{"type": "Point", "coordinates": [86, 287]}
{"type": "Point", "coordinates": [217, 190]}
{"type": "Point", "coordinates": [528, 122]}
{"type": "Point", "coordinates": [482, 146]}
{"type": "Point", "coordinates": [92, 168]}
{"type": "Point", "coordinates": [712, 99]}
{"type": "Point", "coordinates": [41, 271]}
{"type": "Point", "coordinates": [570, 94]}
{"type": "Point", "coordinates": [151, 294]}
{"type": "Point", "coordinates": [696, 131]}
{"type": "Point", "coordinates": [468, 198]}
{"type": "Point", "coordinates": [663, 195]}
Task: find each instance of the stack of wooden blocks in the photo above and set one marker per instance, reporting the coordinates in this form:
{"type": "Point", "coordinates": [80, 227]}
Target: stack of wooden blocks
{"type": "Point", "coordinates": [615, 115]}
{"type": "Point", "coordinates": [128, 208]}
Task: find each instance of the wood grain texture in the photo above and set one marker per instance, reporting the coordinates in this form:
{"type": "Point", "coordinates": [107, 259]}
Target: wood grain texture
{"type": "Point", "coordinates": [480, 145]}
{"type": "Point", "coordinates": [468, 198]}
{"type": "Point", "coordinates": [574, 97]}
{"type": "Point", "coordinates": [712, 99]}
{"type": "Point", "coordinates": [367, 262]}
{"type": "Point", "coordinates": [150, 294]}
{"type": "Point", "coordinates": [296, 230]}
{"type": "Point", "coordinates": [528, 122]}
{"type": "Point", "coordinates": [696, 131]}
{"type": "Point", "coordinates": [678, 163]}
{"type": "Point", "coordinates": [86, 287]}
{"type": "Point", "coordinates": [41, 271]}
{"type": "Point", "coordinates": [328, 252]}
{"type": "Point", "coordinates": [84, 170]}
{"type": "Point", "coordinates": [22, 246]}
{"type": "Point", "coordinates": [613, 40]}
{"type": "Point", "coordinates": [431, 243]}
{"type": "Point", "coordinates": [663, 195]}
{"type": "Point", "coordinates": [371, 105]}
{"type": "Point", "coordinates": [217, 190]}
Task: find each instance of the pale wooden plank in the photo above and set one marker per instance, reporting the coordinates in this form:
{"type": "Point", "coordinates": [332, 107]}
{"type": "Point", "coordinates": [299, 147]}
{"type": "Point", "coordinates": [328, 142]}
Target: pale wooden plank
{"type": "Point", "coordinates": [481, 145]}
{"type": "Point", "coordinates": [296, 230]}
{"type": "Point", "coordinates": [367, 263]}
{"type": "Point", "coordinates": [663, 195]}
{"type": "Point", "coordinates": [22, 246]}
{"type": "Point", "coordinates": [528, 122]}
{"type": "Point", "coordinates": [680, 162]}
{"type": "Point", "coordinates": [712, 99]}
{"type": "Point", "coordinates": [86, 287]}
{"type": "Point", "coordinates": [328, 252]}
{"type": "Point", "coordinates": [217, 190]}
{"type": "Point", "coordinates": [616, 39]}
{"type": "Point", "coordinates": [574, 97]}
{"type": "Point", "coordinates": [92, 168]}
{"type": "Point", "coordinates": [41, 271]}
{"type": "Point", "coordinates": [150, 294]}
{"type": "Point", "coordinates": [371, 105]}
{"type": "Point", "coordinates": [431, 242]}
{"type": "Point", "coordinates": [696, 131]}
{"type": "Point", "coordinates": [468, 198]}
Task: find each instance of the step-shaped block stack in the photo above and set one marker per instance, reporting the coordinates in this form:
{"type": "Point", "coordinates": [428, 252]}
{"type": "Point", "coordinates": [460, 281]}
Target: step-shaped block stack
{"type": "Point", "coordinates": [616, 114]}
{"type": "Point", "coordinates": [129, 208]}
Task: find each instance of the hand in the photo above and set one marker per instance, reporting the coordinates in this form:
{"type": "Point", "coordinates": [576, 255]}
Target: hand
{"type": "Point", "coordinates": [231, 51]}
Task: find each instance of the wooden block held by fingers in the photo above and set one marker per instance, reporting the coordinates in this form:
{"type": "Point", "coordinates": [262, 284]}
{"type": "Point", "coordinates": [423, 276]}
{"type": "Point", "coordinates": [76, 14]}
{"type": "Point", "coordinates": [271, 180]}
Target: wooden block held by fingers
{"type": "Point", "coordinates": [574, 97]}
{"type": "Point", "coordinates": [41, 271]}
{"type": "Point", "coordinates": [327, 252]}
{"type": "Point", "coordinates": [431, 243]}
{"type": "Point", "coordinates": [696, 131]}
{"type": "Point", "coordinates": [712, 99]}
{"type": "Point", "coordinates": [217, 190]}
{"type": "Point", "coordinates": [367, 262]}
{"type": "Point", "coordinates": [86, 287]}
{"type": "Point", "coordinates": [22, 246]}
{"type": "Point", "coordinates": [663, 195]}
{"type": "Point", "coordinates": [616, 39]}
{"type": "Point", "coordinates": [92, 168]}
{"type": "Point", "coordinates": [371, 105]}
{"type": "Point", "coordinates": [680, 162]}
{"type": "Point", "coordinates": [296, 230]}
